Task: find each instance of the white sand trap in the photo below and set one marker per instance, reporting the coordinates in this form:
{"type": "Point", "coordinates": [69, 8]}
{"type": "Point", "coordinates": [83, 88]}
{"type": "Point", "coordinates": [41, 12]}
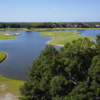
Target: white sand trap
{"type": "Point", "coordinates": [17, 33]}
{"type": "Point", "coordinates": [7, 34]}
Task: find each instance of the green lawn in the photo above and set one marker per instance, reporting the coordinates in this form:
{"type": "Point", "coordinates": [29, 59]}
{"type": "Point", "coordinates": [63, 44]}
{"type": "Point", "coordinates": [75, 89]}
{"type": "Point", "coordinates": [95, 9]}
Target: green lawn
{"type": "Point", "coordinates": [5, 35]}
{"type": "Point", "coordinates": [61, 38]}
{"type": "Point", "coordinates": [2, 56]}
{"type": "Point", "coordinates": [10, 86]}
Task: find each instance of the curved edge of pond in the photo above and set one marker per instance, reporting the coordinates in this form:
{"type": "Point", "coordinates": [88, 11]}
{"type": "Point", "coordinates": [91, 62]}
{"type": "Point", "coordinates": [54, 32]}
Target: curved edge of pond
{"type": "Point", "coordinates": [5, 56]}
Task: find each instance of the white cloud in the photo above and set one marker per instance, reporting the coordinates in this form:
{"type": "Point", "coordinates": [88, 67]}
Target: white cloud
{"type": "Point", "coordinates": [54, 8]}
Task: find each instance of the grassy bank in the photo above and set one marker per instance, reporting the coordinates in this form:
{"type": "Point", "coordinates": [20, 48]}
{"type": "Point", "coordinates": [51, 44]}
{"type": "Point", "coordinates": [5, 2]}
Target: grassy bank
{"type": "Point", "coordinates": [2, 56]}
{"type": "Point", "coordinates": [5, 35]}
{"type": "Point", "coordinates": [45, 29]}
{"type": "Point", "coordinates": [61, 38]}
{"type": "Point", "coordinates": [9, 87]}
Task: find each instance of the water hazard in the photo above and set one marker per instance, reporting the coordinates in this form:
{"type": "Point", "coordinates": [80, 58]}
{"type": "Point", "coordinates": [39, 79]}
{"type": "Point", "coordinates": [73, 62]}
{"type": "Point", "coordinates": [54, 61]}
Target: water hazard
{"type": "Point", "coordinates": [24, 49]}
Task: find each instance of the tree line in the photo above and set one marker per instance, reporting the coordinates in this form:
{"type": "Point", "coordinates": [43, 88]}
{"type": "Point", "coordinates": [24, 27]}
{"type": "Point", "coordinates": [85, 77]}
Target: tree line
{"type": "Point", "coordinates": [50, 25]}
{"type": "Point", "coordinates": [71, 73]}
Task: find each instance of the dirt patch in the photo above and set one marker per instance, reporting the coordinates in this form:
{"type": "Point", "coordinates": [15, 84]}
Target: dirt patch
{"type": "Point", "coordinates": [9, 96]}
{"type": "Point", "coordinates": [6, 96]}
{"type": "Point", "coordinates": [3, 87]}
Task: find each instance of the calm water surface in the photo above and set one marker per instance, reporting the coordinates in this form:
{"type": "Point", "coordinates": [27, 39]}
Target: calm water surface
{"type": "Point", "coordinates": [24, 49]}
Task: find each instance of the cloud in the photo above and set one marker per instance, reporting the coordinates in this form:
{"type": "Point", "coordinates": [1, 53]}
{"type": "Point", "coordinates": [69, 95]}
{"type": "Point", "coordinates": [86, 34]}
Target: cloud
{"type": "Point", "coordinates": [54, 8]}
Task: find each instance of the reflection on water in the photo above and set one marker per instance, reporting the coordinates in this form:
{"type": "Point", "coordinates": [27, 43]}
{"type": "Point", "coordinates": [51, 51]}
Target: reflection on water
{"type": "Point", "coordinates": [24, 49]}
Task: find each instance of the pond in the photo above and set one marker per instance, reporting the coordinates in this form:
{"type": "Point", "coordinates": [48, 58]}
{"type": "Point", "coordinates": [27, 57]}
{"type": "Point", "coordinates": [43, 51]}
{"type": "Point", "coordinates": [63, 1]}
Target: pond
{"type": "Point", "coordinates": [24, 49]}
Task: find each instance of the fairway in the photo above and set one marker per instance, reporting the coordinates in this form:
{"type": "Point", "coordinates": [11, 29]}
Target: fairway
{"type": "Point", "coordinates": [5, 35]}
{"type": "Point", "coordinates": [47, 29]}
{"type": "Point", "coordinates": [61, 38]}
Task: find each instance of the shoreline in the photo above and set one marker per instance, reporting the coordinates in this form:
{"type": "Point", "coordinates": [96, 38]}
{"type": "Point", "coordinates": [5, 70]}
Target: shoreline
{"type": "Point", "coordinates": [5, 56]}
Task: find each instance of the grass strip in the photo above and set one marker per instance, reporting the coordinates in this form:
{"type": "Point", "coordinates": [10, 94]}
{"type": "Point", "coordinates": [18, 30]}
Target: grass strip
{"type": "Point", "coordinates": [46, 29]}
{"type": "Point", "coordinates": [2, 56]}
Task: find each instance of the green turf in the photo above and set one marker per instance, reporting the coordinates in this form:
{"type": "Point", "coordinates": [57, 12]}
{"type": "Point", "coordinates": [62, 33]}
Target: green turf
{"type": "Point", "coordinates": [5, 35]}
{"type": "Point", "coordinates": [44, 29]}
{"type": "Point", "coordinates": [10, 86]}
{"type": "Point", "coordinates": [2, 56]}
{"type": "Point", "coordinates": [61, 38]}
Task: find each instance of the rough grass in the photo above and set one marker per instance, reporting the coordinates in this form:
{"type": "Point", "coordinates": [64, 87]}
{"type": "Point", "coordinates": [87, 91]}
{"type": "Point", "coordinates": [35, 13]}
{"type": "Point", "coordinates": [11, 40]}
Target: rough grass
{"type": "Point", "coordinates": [61, 38]}
{"type": "Point", "coordinates": [45, 29]}
{"type": "Point", "coordinates": [10, 86]}
{"type": "Point", "coordinates": [2, 56]}
{"type": "Point", "coordinates": [5, 35]}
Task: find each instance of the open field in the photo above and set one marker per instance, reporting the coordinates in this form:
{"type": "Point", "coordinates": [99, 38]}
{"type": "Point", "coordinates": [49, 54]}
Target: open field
{"type": "Point", "coordinates": [61, 38]}
{"type": "Point", "coordinates": [45, 29]}
{"type": "Point", "coordinates": [5, 35]}
{"type": "Point", "coordinates": [2, 56]}
{"type": "Point", "coordinates": [9, 89]}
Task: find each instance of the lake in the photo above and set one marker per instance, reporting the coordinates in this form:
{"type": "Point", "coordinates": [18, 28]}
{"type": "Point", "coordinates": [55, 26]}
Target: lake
{"type": "Point", "coordinates": [25, 48]}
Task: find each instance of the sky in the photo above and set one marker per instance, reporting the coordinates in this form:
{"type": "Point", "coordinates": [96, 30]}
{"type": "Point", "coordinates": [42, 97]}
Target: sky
{"type": "Point", "coordinates": [49, 10]}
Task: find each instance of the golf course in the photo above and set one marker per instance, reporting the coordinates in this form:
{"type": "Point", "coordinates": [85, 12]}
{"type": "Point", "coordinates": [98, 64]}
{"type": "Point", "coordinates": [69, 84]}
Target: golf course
{"type": "Point", "coordinates": [9, 87]}
{"type": "Point", "coordinates": [61, 38]}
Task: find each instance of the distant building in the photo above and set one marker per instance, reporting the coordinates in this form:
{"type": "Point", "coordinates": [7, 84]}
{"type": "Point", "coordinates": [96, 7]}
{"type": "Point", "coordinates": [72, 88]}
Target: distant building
{"type": "Point", "coordinates": [75, 25]}
{"type": "Point", "coordinates": [53, 25]}
{"type": "Point", "coordinates": [86, 25]}
{"type": "Point", "coordinates": [70, 25]}
{"type": "Point", "coordinates": [97, 26]}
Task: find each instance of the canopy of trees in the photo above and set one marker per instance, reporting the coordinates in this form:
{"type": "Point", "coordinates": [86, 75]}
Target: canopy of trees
{"type": "Point", "coordinates": [71, 73]}
{"type": "Point", "coordinates": [50, 25]}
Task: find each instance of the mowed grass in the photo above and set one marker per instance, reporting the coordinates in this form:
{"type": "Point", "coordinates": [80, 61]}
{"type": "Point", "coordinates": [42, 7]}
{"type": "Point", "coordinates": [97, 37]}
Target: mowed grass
{"type": "Point", "coordinates": [45, 29]}
{"type": "Point", "coordinates": [10, 86]}
{"type": "Point", "coordinates": [5, 35]}
{"type": "Point", "coordinates": [2, 56]}
{"type": "Point", "coordinates": [61, 38]}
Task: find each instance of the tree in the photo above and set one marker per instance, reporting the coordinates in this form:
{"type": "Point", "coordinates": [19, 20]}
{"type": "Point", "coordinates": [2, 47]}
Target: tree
{"type": "Point", "coordinates": [98, 38]}
{"type": "Point", "coordinates": [77, 58]}
{"type": "Point", "coordinates": [2, 25]}
{"type": "Point", "coordinates": [63, 74]}
{"type": "Point", "coordinates": [28, 26]}
{"type": "Point", "coordinates": [89, 89]}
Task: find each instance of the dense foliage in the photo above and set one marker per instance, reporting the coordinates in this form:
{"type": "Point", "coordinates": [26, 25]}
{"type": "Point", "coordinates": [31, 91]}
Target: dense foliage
{"type": "Point", "coordinates": [51, 25]}
{"type": "Point", "coordinates": [71, 73]}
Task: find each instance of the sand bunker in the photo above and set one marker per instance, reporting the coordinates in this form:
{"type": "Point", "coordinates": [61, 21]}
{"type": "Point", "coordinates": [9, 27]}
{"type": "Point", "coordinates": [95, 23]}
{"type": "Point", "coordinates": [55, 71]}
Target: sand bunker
{"type": "Point", "coordinates": [17, 33]}
{"type": "Point", "coordinates": [7, 34]}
